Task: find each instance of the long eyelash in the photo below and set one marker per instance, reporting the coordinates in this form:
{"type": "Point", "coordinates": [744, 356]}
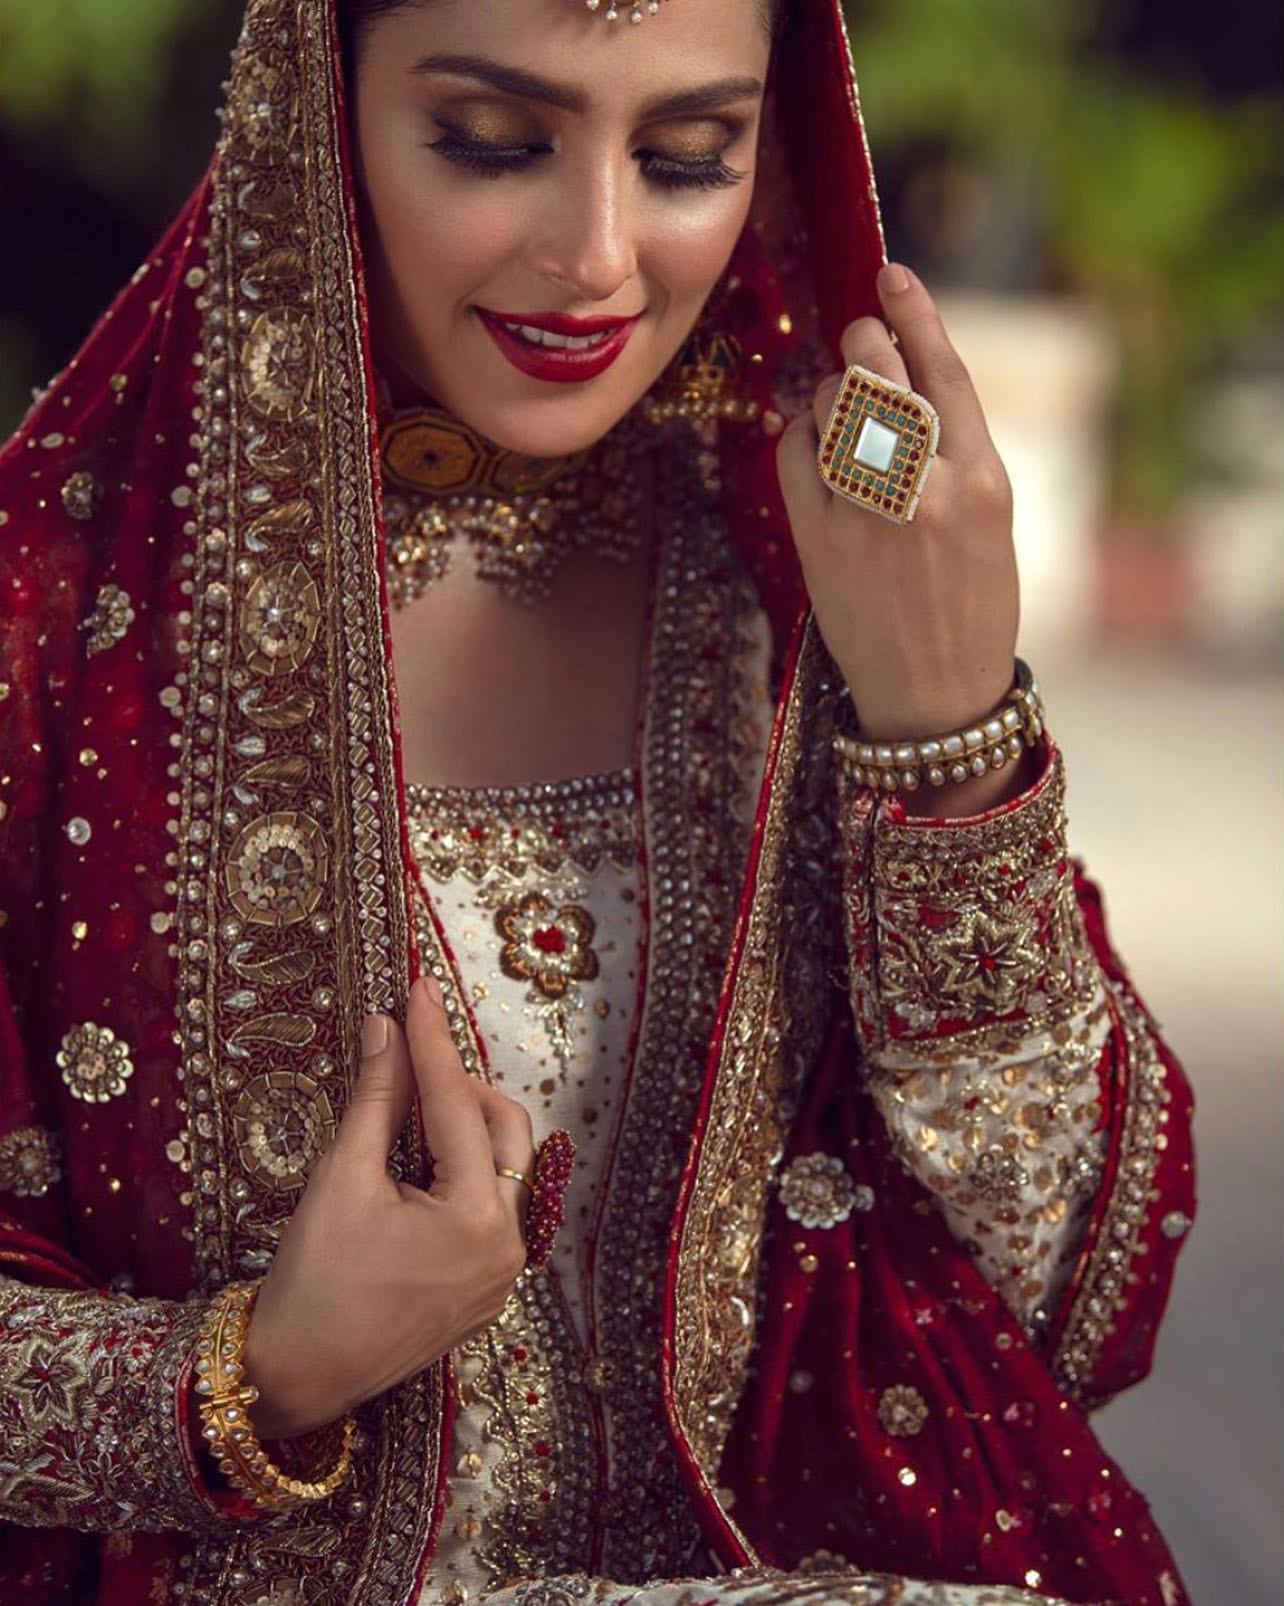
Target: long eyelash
{"type": "Point", "coordinates": [710, 175]}
{"type": "Point", "coordinates": [494, 161]}
{"type": "Point", "coordinates": [491, 161]}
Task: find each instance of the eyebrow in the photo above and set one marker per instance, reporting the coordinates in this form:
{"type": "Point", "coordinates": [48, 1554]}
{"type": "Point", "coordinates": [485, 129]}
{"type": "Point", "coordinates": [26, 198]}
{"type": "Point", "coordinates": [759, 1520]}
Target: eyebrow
{"type": "Point", "coordinates": [529, 86]}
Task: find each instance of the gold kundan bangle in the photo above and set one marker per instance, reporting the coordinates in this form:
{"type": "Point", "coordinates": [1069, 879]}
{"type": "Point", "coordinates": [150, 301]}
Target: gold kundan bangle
{"type": "Point", "coordinates": [223, 1399]}
{"type": "Point", "coordinates": [988, 745]}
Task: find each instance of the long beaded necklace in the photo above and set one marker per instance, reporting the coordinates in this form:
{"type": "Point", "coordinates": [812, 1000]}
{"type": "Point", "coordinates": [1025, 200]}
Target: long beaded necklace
{"type": "Point", "coordinates": [522, 516]}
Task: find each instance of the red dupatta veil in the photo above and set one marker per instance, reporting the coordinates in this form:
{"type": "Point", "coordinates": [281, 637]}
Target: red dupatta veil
{"type": "Point", "coordinates": [205, 880]}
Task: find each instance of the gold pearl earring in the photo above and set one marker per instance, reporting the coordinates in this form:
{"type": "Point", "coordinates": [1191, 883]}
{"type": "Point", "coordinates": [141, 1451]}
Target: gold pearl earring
{"type": "Point", "coordinates": [703, 382]}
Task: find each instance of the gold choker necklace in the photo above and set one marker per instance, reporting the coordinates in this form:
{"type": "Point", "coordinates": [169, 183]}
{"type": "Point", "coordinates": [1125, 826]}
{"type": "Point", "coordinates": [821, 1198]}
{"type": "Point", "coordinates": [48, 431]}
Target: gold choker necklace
{"type": "Point", "coordinates": [522, 516]}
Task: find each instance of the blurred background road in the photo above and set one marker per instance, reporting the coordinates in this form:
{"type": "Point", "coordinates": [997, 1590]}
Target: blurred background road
{"type": "Point", "coordinates": [1191, 866]}
{"type": "Point", "coordinates": [1093, 187]}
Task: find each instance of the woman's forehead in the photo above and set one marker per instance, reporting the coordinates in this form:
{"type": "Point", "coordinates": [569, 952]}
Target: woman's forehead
{"type": "Point", "coordinates": [685, 47]}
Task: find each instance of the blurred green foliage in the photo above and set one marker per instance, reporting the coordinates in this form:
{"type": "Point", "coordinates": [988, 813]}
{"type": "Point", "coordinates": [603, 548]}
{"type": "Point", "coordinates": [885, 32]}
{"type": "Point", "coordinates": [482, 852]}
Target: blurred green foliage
{"type": "Point", "coordinates": [91, 73]}
{"type": "Point", "coordinates": [1139, 192]}
{"type": "Point", "coordinates": [1039, 161]}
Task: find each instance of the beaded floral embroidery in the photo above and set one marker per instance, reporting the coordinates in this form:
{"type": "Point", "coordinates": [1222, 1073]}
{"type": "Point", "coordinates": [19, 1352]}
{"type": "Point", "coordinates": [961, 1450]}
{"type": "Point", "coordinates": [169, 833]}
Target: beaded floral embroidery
{"type": "Point", "coordinates": [816, 1191]}
{"type": "Point", "coordinates": [902, 1410]}
{"type": "Point", "coordinates": [110, 620]}
{"type": "Point", "coordinates": [29, 1164]}
{"type": "Point", "coordinates": [529, 849]}
{"type": "Point", "coordinates": [95, 1063]}
{"type": "Point", "coordinates": [81, 494]}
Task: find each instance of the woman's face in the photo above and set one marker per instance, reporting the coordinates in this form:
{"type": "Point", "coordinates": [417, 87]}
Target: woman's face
{"type": "Point", "coordinates": [527, 160]}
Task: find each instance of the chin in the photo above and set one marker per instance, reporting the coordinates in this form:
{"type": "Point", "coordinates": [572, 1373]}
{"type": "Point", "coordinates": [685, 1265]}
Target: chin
{"type": "Point", "coordinates": [554, 428]}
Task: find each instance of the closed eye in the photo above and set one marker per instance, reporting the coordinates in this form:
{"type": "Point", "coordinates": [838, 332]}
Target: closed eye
{"type": "Point", "coordinates": [497, 161]}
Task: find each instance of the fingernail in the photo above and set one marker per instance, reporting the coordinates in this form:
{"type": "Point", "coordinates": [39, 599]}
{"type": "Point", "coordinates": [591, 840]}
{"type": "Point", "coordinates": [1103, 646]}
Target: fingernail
{"type": "Point", "coordinates": [894, 279]}
{"type": "Point", "coordinates": [430, 988]}
{"type": "Point", "coordinates": [374, 1035]}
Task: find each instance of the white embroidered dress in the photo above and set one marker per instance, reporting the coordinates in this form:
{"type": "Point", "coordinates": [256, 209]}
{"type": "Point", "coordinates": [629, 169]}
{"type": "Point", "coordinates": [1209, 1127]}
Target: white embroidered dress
{"type": "Point", "coordinates": [540, 896]}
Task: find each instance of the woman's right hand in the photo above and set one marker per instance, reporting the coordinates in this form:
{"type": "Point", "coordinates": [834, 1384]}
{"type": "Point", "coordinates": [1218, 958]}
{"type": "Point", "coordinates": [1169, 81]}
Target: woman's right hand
{"type": "Point", "coordinates": [374, 1279]}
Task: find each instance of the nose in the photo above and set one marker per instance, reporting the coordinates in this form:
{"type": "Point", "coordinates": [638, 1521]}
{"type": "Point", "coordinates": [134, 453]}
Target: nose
{"type": "Point", "coordinates": [588, 240]}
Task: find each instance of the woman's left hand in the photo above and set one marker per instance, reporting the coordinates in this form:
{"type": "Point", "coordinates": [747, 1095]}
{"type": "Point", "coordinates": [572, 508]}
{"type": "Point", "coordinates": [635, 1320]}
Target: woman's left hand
{"type": "Point", "coordinates": [920, 618]}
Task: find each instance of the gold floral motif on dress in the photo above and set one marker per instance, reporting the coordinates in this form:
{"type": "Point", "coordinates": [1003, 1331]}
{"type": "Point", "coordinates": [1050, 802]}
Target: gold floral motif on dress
{"type": "Point", "coordinates": [283, 1123]}
{"type": "Point", "coordinates": [549, 944]}
{"type": "Point", "coordinates": [278, 364]}
{"type": "Point", "coordinates": [550, 947]}
{"type": "Point", "coordinates": [902, 1410]}
{"type": "Point", "coordinates": [279, 623]}
{"type": "Point", "coordinates": [95, 1063]}
{"type": "Point", "coordinates": [110, 620]}
{"type": "Point", "coordinates": [817, 1191]}
{"type": "Point", "coordinates": [277, 869]}
{"type": "Point", "coordinates": [29, 1162]}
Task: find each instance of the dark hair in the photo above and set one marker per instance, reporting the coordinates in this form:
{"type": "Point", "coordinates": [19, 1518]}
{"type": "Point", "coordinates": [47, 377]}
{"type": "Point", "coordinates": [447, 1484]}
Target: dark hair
{"type": "Point", "coordinates": [354, 15]}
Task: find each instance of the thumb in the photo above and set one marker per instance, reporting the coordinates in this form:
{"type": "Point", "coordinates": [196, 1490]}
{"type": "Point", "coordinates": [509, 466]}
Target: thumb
{"type": "Point", "coordinates": [380, 1102]}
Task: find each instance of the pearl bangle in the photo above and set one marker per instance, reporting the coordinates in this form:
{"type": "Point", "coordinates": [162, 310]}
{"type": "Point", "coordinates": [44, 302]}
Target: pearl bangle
{"type": "Point", "coordinates": [1016, 724]}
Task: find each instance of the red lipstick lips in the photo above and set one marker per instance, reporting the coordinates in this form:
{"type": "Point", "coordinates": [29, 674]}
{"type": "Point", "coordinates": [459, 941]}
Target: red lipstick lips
{"type": "Point", "coordinates": [558, 363]}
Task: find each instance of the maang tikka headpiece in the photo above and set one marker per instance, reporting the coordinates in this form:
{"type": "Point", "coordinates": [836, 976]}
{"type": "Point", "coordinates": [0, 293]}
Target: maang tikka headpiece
{"type": "Point", "coordinates": [636, 8]}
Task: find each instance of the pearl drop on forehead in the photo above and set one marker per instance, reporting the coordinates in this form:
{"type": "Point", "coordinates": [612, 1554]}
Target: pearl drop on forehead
{"type": "Point", "coordinates": [635, 8]}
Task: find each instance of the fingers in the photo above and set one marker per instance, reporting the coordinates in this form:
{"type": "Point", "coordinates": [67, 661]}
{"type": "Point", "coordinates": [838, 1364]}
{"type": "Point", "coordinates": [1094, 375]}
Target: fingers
{"type": "Point", "coordinates": [868, 343]}
{"type": "Point", "coordinates": [454, 1130]}
{"type": "Point", "coordinates": [381, 1098]}
{"type": "Point", "coordinates": [806, 495]}
{"type": "Point", "coordinates": [935, 369]}
{"type": "Point", "coordinates": [512, 1146]}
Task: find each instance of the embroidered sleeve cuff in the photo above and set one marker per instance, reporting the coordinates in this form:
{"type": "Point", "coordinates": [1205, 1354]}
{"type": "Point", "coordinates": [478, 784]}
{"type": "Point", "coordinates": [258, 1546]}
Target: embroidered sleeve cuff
{"type": "Point", "coordinates": [966, 926]}
{"type": "Point", "coordinates": [96, 1414]}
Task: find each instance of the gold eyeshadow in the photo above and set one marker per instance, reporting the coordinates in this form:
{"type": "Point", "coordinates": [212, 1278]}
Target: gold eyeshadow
{"type": "Point", "coordinates": [694, 142]}
{"type": "Point", "coordinates": [491, 125]}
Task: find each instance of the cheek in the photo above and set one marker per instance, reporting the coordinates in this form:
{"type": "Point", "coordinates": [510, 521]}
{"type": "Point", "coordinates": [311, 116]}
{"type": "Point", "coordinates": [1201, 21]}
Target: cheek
{"type": "Point", "coordinates": [691, 253]}
{"type": "Point", "coordinates": [436, 243]}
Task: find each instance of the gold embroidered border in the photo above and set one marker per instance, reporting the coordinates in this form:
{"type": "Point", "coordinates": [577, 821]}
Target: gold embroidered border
{"type": "Point", "coordinates": [695, 772]}
{"type": "Point", "coordinates": [780, 1001]}
{"type": "Point", "coordinates": [292, 919]}
{"type": "Point", "coordinates": [475, 831]}
{"type": "Point", "coordinates": [1102, 1294]}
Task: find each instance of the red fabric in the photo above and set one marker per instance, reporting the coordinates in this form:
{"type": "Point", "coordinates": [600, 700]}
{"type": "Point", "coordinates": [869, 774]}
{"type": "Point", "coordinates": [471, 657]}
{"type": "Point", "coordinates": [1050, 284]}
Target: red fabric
{"type": "Point", "coordinates": [87, 737]}
{"type": "Point", "coordinates": [896, 1298]}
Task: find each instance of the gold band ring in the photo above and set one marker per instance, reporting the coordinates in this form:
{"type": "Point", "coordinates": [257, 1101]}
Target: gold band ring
{"type": "Point", "coordinates": [517, 1176]}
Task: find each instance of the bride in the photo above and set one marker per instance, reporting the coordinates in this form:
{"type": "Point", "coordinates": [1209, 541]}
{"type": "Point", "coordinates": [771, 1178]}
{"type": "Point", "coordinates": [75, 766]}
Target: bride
{"type": "Point", "coordinates": [516, 532]}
